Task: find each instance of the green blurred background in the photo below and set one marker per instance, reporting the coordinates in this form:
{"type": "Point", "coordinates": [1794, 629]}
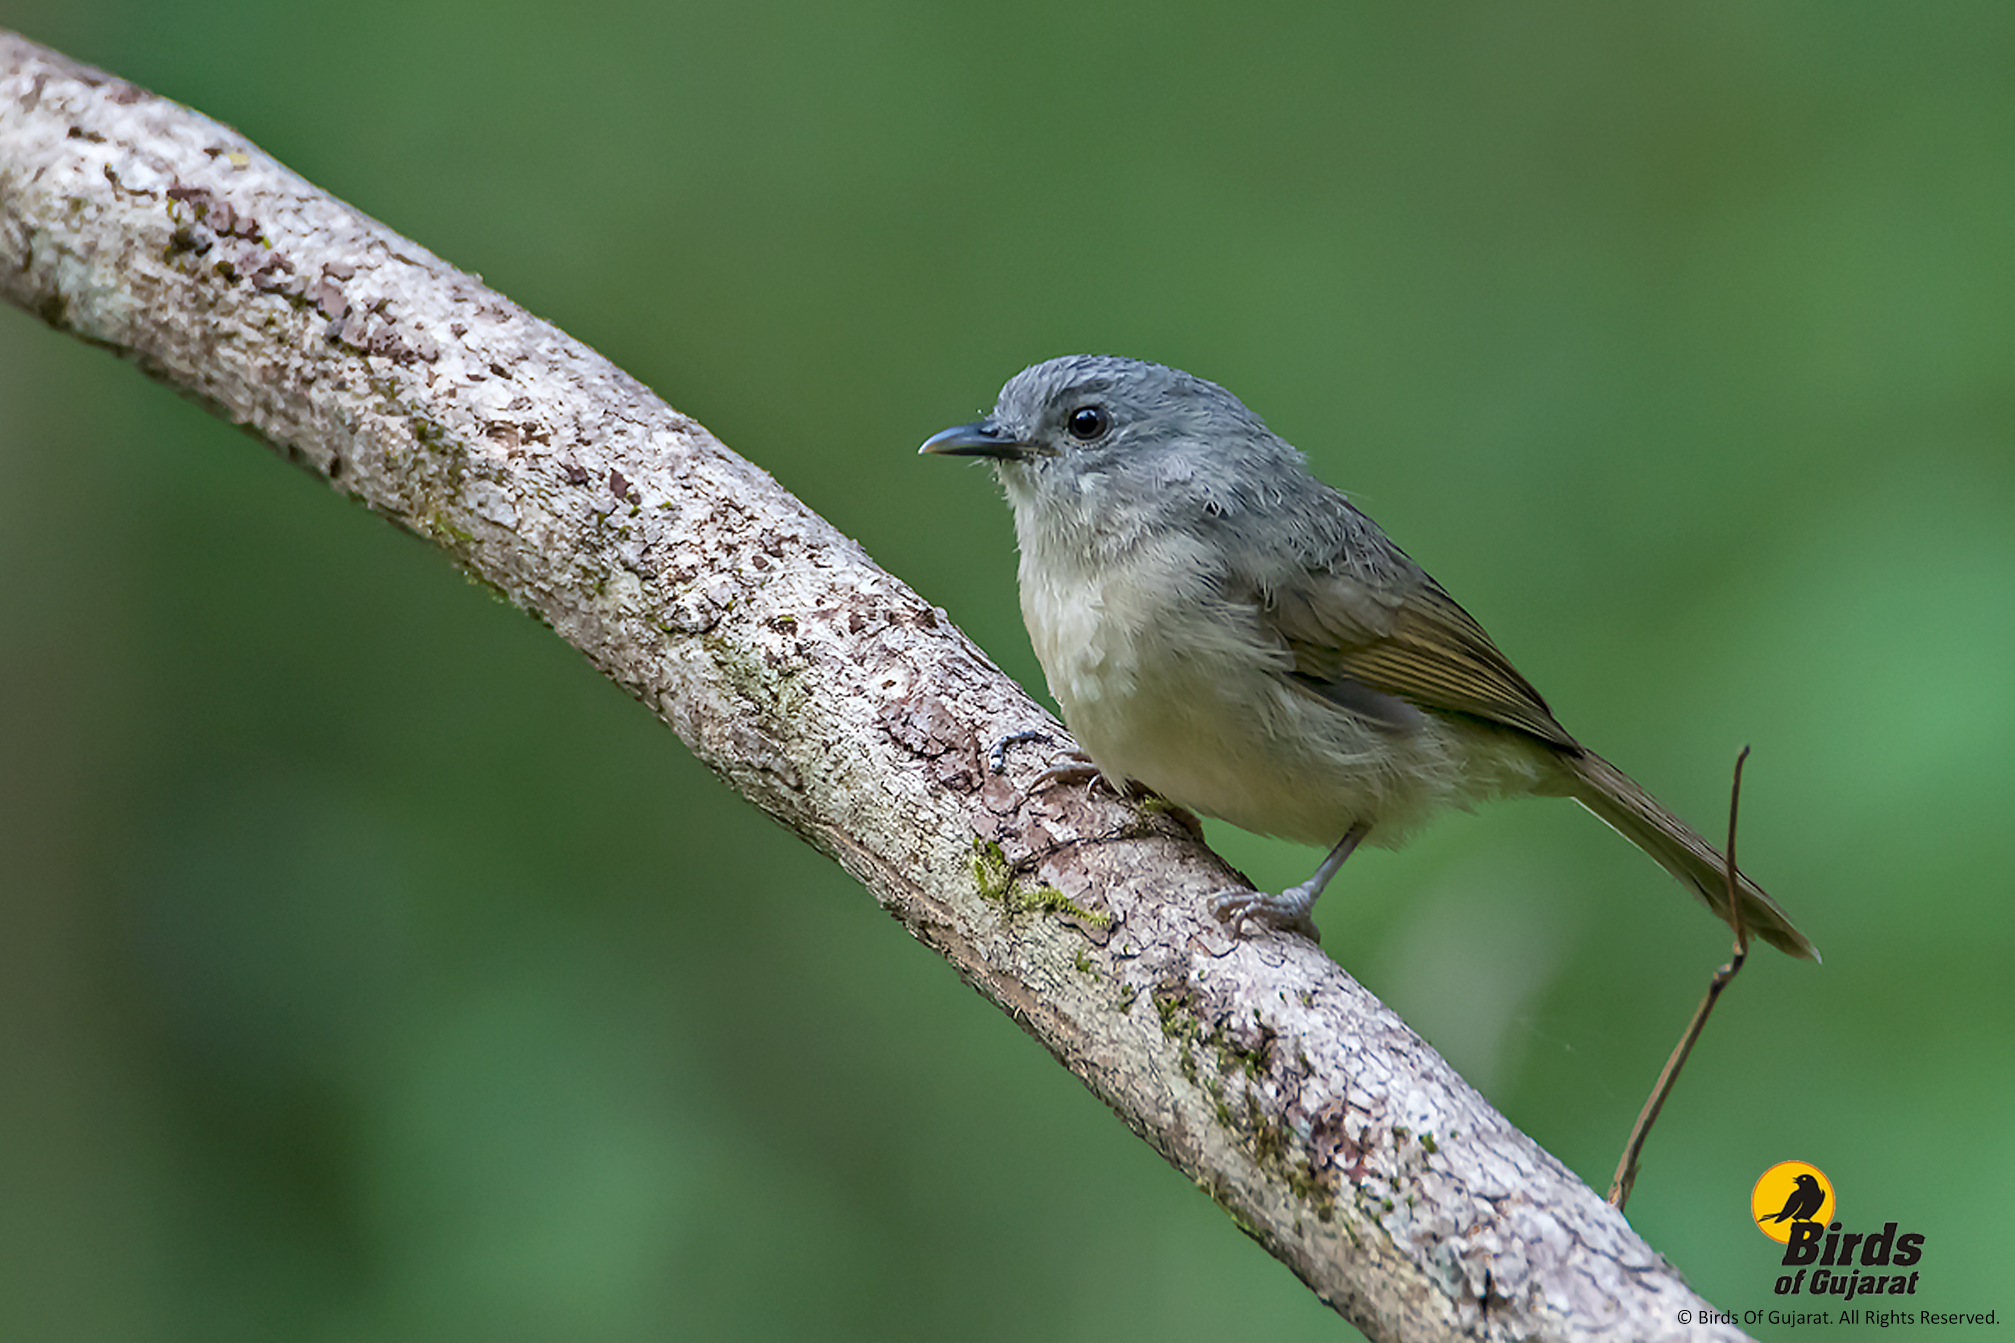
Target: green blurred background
{"type": "Point", "coordinates": [370, 969]}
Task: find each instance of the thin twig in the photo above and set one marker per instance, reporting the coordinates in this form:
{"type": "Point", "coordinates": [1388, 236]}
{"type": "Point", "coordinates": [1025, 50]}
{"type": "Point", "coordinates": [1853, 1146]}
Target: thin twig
{"type": "Point", "coordinates": [1633, 1150]}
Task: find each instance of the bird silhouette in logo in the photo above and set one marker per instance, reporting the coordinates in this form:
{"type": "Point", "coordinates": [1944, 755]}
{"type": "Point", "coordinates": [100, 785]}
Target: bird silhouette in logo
{"type": "Point", "coordinates": [1804, 1201]}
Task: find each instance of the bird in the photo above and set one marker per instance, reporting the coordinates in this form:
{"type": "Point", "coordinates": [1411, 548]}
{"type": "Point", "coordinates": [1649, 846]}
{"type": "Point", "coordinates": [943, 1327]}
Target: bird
{"type": "Point", "coordinates": [1221, 627]}
{"type": "Point", "coordinates": [1802, 1203]}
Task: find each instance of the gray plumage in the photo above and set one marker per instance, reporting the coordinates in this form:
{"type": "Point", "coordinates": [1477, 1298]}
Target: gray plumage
{"type": "Point", "coordinates": [1222, 627]}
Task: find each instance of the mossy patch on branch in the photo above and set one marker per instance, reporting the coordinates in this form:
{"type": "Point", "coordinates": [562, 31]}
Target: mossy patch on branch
{"type": "Point", "coordinates": [995, 880]}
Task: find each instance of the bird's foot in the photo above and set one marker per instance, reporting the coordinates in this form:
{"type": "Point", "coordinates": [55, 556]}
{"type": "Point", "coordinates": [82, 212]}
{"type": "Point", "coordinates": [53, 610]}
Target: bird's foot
{"type": "Point", "coordinates": [1287, 912]}
{"type": "Point", "coordinates": [1067, 766]}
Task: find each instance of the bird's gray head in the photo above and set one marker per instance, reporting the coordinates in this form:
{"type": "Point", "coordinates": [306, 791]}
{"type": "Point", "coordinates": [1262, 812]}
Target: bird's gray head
{"type": "Point", "coordinates": [1108, 442]}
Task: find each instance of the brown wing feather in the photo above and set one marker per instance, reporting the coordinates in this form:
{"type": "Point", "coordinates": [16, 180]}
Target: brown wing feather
{"type": "Point", "coordinates": [1416, 644]}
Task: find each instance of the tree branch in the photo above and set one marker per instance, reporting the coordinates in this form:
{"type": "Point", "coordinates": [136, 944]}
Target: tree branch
{"type": "Point", "coordinates": [821, 688]}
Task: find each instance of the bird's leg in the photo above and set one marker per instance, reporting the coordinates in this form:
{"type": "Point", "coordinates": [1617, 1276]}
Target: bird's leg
{"type": "Point", "coordinates": [1289, 910]}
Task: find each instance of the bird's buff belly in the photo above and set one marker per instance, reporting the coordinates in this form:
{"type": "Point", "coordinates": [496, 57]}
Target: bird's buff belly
{"type": "Point", "coordinates": [1205, 714]}
{"type": "Point", "coordinates": [1230, 739]}
{"type": "Point", "coordinates": [1240, 744]}
{"type": "Point", "coordinates": [1214, 754]}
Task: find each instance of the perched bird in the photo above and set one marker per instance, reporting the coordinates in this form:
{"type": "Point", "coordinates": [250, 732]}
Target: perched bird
{"type": "Point", "coordinates": [1803, 1202]}
{"type": "Point", "coordinates": [1222, 627]}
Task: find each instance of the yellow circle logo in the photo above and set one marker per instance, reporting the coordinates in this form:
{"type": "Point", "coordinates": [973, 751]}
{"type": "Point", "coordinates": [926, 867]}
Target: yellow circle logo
{"type": "Point", "coordinates": [1790, 1191]}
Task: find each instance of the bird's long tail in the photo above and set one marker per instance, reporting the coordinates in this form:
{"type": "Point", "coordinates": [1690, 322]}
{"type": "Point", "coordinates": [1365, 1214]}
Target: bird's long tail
{"type": "Point", "coordinates": [1633, 813]}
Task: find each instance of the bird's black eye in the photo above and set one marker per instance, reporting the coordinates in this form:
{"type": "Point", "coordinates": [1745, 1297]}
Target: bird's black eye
{"type": "Point", "coordinates": [1088, 422]}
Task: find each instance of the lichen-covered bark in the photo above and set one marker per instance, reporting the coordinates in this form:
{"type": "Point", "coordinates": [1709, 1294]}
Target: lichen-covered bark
{"type": "Point", "coordinates": [822, 688]}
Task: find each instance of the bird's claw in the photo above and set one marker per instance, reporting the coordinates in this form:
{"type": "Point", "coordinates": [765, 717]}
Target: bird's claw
{"type": "Point", "coordinates": [1287, 912]}
{"type": "Point", "coordinates": [1069, 767]}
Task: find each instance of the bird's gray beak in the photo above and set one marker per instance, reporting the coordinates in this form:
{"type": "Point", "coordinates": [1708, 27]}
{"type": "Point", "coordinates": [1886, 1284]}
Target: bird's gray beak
{"type": "Point", "coordinates": [981, 438]}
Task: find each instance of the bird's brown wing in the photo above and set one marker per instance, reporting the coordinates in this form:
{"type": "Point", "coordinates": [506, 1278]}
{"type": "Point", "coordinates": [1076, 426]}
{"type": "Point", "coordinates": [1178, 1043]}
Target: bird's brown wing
{"type": "Point", "coordinates": [1410, 640]}
{"type": "Point", "coordinates": [1362, 643]}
